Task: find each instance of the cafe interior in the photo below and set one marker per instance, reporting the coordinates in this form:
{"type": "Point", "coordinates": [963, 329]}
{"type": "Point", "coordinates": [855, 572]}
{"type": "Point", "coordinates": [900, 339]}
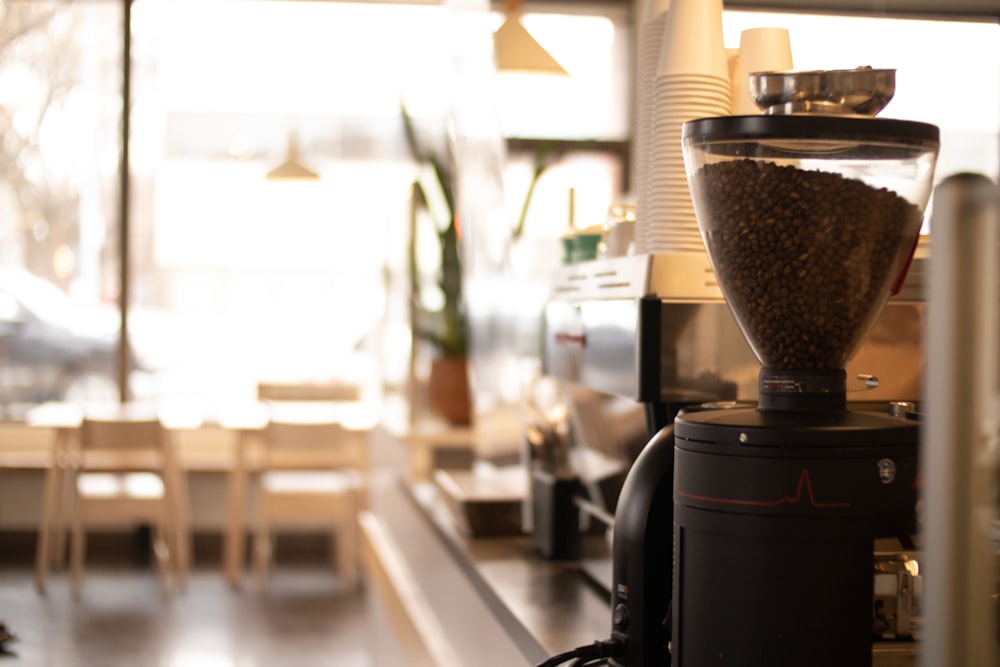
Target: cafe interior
{"type": "Point", "coordinates": [384, 333]}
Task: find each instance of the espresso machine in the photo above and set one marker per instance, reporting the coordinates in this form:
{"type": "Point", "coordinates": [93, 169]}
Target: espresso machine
{"type": "Point", "coordinates": [745, 532]}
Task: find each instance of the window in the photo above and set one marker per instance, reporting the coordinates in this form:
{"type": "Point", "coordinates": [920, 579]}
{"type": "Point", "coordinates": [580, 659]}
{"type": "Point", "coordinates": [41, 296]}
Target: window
{"type": "Point", "coordinates": [300, 280]}
{"type": "Point", "coordinates": [60, 86]}
{"type": "Point", "coordinates": [236, 278]}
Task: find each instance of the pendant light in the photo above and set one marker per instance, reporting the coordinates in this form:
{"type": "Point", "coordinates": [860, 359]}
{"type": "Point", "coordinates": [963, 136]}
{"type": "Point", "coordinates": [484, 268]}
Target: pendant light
{"type": "Point", "coordinates": [291, 169]}
{"type": "Point", "coordinates": [517, 51]}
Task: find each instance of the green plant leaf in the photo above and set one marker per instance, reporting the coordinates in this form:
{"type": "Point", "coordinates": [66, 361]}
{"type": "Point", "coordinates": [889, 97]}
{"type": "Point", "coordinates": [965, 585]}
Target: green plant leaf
{"type": "Point", "coordinates": [446, 329]}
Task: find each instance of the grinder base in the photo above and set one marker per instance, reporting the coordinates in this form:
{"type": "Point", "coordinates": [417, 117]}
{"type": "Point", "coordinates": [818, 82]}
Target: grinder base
{"type": "Point", "coordinates": [774, 522]}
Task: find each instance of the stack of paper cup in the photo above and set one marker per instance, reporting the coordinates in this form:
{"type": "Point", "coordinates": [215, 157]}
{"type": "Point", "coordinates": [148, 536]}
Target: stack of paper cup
{"type": "Point", "coordinates": [693, 82]}
{"type": "Point", "coordinates": [647, 66]}
{"type": "Point", "coordinates": [761, 50]}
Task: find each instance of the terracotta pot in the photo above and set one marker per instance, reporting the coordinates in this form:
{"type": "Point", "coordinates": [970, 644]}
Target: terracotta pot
{"type": "Point", "coordinates": [448, 388]}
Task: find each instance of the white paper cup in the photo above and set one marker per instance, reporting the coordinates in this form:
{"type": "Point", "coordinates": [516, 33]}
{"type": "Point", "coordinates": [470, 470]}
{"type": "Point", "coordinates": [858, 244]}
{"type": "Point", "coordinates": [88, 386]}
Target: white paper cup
{"type": "Point", "coordinates": [693, 41]}
{"type": "Point", "coordinates": [693, 87]}
{"type": "Point", "coordinates": [692, 77]}
{"type": "Point", "coordinates": [703, 102]}
{"type": "Point", "coordinates": [650, 43]}
{"type": "Point", "coordinates": [761, 50]}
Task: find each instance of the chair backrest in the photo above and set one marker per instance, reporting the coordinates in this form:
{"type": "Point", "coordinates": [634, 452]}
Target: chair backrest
{"type": "Point", "coordinates": [307, 391]}
{"type": "Point", "coordinates": [316, 445]}
{"type": "Point", "coordinates": [101, 433]}
{"type": "Point", "coordinates": [124, 443]}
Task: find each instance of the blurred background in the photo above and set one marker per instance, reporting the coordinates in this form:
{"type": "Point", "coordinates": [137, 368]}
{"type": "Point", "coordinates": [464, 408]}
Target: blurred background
{"type": "Point", "coordinates": [235, 279]}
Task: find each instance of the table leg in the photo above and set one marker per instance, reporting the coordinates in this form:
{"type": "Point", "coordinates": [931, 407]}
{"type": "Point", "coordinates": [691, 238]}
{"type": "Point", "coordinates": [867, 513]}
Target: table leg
{"type": "Point", "coordinates": [180, 517]}
{"type": "Point", "coordinates": [65, 497]}
{"type": "Point", "coordinates": [50, 526]}
{"type": "Point", "coordinates": [234, 541]}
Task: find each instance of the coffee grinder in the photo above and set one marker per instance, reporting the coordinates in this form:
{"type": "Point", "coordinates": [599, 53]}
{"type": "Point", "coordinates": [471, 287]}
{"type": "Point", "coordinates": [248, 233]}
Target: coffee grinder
{"type": "Point", "coordinates": [810, 213]}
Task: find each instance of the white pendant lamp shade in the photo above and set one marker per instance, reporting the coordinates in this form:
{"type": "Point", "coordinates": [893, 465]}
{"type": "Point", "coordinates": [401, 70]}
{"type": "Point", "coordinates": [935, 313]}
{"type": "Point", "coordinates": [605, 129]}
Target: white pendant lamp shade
{"type": "Point", "coordinates": [291, 169]}
{"type": "Point", "coordinates": [517, 51]}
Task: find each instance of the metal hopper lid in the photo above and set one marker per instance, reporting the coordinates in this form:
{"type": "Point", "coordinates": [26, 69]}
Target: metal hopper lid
{"type": "Point", "coordinates": [863, 91]}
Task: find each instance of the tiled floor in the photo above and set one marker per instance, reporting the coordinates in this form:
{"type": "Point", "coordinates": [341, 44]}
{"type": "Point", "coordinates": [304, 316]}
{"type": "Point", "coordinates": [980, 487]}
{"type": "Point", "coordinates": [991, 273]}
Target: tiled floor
{"type": "Point", "coordinates": [304, 619]}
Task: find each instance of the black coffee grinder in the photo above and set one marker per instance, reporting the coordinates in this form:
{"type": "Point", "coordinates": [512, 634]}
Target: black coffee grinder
{"type": "Point", "coordinates": [810, 214]}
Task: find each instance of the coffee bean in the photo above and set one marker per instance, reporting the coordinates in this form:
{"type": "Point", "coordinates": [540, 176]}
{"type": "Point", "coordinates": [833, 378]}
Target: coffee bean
{"type": "Point", "coordinates": [805, 258]}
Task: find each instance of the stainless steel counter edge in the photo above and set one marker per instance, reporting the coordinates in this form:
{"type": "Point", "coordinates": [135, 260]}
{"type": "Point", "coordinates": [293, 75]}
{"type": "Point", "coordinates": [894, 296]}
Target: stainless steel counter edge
{"type": "Point", "coordinates": [499, 602]}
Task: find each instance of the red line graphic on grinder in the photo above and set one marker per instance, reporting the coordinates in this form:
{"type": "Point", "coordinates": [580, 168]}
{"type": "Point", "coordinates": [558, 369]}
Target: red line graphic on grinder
{"type": "Point", "coordinates": [805, 482]}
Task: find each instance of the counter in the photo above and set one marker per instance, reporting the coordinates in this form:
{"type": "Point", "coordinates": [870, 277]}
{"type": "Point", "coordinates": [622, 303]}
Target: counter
{"type": "Point", "coordinates": [493, 600]}
{"type": "Point", "coordinates": [484, 601]}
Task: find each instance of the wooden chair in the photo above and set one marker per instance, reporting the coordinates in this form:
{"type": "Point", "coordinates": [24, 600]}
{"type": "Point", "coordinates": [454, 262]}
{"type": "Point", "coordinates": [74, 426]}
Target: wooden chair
{"type": "Point", "coordinates": [125, 471]}
{"type": "Point", "coordinates": [311, 474]}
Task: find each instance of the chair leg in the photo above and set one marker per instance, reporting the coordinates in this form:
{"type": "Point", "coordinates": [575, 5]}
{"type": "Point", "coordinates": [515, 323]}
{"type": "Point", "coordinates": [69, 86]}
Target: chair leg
{"type": "Point", "coordinates": [334, 547]}
{"type": "Point", "coordinates": [48, 525]}
{"type": "Point", "coordinates": [174, 537]}
{"type": "Point", "coordinates": [78, 546]}
{"type": "Point", "coordinates": [263, 548]}
{"type": "Point", "coordinates": [181, 553]}
{"type": "Point", "coordinates": [347, 552]}
{"type": "Point", "coordinates": [162, 554]}
{"type": "Point", "coordinates": [347, 538]}
{"type": "Point", "coordinates": [236, 530]}
{"type": "Point", "coordinates": [64, 508]}
{"type": "Point", "coordinates": [179, 532]}
{"type": "Point", "coordinates": [263, 552]}
{"type": "Point", "coordinates": [42, 559]}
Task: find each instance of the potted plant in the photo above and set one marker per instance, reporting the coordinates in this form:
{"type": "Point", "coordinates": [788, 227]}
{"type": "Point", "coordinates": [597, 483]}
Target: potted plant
{"type": "Point", "coordinates": [446, 328]}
